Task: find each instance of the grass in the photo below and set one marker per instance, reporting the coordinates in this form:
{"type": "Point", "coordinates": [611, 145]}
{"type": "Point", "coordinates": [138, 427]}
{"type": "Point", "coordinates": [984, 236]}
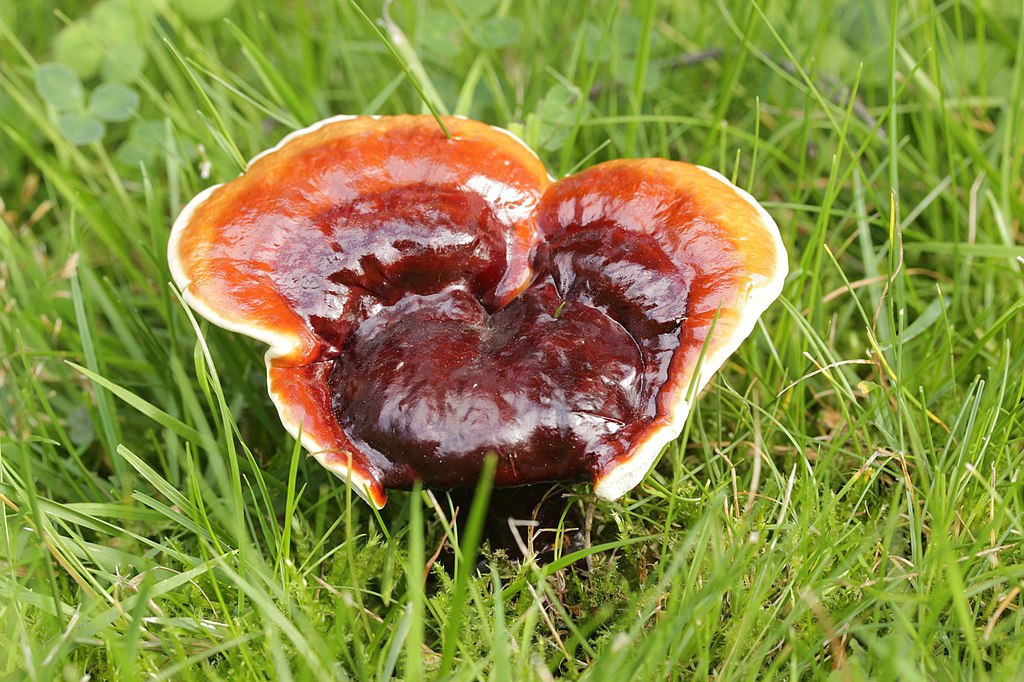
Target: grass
{"type": "Point", "coordinates": [847, 500]}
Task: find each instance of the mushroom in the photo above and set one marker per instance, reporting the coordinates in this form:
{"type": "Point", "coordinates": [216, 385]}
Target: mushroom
{"type": "Point", "coordinates": [430, 299]}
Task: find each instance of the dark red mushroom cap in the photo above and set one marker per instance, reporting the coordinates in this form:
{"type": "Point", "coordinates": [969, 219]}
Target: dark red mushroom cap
{"type": "Point", "coordinates": [429, 300]}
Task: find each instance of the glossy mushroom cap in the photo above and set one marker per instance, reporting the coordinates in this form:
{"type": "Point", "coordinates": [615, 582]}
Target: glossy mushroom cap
{"type": "Point", "coordinates": [430, 300]}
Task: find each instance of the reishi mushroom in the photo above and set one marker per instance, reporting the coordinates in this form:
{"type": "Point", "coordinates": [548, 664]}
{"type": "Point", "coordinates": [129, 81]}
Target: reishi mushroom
{"type": "Point", "coordinates": [429, 300]}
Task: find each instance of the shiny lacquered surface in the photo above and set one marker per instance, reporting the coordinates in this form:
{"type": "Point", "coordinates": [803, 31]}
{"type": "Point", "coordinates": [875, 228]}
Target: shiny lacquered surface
{"type": "Point", "coordinates": [265, 250]}
{"type": "Point", "coordinates": [431, 300]}
{"type": "Point", "coordinates": [432, 384]}
{"type": "Point", "coordinates": [679, 257]}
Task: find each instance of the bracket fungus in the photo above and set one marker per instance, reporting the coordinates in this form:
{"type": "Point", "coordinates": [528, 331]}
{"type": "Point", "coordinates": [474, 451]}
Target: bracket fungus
{"type": "Point", "coordinates": [429, 300]}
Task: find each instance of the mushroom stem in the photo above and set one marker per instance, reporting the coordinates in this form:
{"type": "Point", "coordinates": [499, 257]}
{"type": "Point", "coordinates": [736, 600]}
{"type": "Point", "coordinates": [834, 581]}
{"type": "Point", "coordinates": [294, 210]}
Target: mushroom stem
{"type": "Point", "coordinates": [527, 522]}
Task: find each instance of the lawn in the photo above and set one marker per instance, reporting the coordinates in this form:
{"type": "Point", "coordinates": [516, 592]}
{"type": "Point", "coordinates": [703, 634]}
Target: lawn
{"type": "Point", "coordinates": [846, 502]}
